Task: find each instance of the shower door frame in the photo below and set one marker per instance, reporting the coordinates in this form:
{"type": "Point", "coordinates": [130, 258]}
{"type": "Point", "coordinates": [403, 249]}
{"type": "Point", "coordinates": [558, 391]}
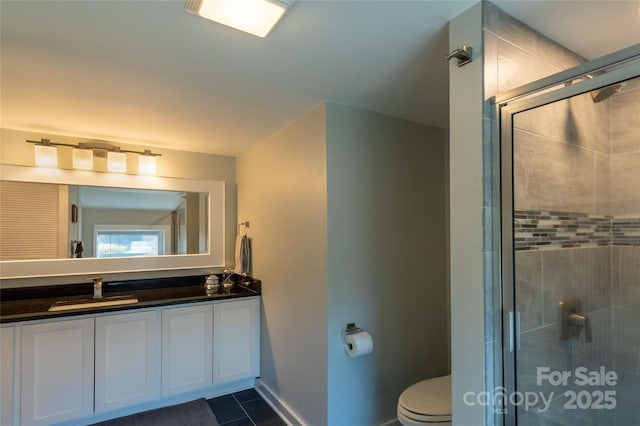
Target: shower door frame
{"type": "Point", "coordinates": [539, 93]}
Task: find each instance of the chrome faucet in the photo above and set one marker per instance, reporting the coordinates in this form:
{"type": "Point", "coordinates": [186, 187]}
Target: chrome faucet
{"type": "Point", "coordinates": [227, 282]}
{"type": "Point", "coordinates": [97, 288]}
{"type": "Point", "coordinates": [227, 274]}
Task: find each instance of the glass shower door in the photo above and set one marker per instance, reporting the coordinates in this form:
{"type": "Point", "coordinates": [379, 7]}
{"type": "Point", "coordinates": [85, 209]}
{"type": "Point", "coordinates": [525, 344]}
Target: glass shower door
{"type": "Point", "coordinates": [573, 167]}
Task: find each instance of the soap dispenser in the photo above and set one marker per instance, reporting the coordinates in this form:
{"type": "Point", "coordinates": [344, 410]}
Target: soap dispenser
{"type": "Point", "coordinates": [211, 284]}
{"type": "Point", "coordinates": [78, 250]}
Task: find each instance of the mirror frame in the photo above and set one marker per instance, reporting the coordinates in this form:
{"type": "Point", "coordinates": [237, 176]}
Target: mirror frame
{"type": "Point", "coordinates": [10, 269]}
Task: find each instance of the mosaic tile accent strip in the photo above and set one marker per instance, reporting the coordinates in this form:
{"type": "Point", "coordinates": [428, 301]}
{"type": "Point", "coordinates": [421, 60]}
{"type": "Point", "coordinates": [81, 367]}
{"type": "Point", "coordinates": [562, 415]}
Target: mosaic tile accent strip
{"type": "Point", "coordinates": [625, 231]}
{"type": "Point", "coordinates": [552, 230]}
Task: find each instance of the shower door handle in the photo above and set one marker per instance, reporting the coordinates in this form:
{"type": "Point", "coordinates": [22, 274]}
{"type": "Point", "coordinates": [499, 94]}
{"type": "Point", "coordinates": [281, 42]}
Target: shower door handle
{"type": "Point", "coordinates": [514, 331]}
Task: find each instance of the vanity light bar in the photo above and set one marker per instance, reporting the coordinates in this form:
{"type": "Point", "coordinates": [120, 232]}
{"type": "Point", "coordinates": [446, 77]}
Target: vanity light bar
{"type": "Point", "coordinates": [46, 155]}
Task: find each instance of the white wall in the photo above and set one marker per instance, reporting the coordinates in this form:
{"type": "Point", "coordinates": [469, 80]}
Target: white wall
{"type": "Point", "coordinates": [387, 264]}
{"type": "Point", "coordinates": [466, 217]}
{"type": "Point", "coordinates": [347, 217]}
{"type": "Point", "coordinates": [282, 193]}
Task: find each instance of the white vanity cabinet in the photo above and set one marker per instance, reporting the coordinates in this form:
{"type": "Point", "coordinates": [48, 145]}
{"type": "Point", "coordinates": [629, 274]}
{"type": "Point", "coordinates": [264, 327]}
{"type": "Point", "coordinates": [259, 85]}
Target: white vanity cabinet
{"type": "Point", "coordinates": [85, 369]}
{"type": "Point", "coordinates": [236, 340]}
{"type": "Point", "coordinates": [187, 346]}
{"type": "Point", "coordinates": [57, 371]}
{"type": "Point", "coordinates": [127, 361]}
{"type": "Point", "coordinates": [7, 364]}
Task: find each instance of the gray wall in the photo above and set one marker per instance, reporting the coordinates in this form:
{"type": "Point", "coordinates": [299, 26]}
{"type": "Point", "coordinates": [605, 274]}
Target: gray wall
{"type": "Point", "coordinates": [466, 213]}
{"type": "Point", "coordinates": [282, 192]}
{"type": "Point", "coordinates": [386, 217]}
{"type": "Point", "coordinates": [348, 225]}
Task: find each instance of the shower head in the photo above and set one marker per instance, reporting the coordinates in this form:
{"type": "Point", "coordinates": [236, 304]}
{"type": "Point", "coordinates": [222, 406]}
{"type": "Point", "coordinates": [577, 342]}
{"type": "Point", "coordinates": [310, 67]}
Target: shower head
{"type": "Point", "coordinates": [604, 93]}
{"type": "Point", "coordinates": [601, 94]}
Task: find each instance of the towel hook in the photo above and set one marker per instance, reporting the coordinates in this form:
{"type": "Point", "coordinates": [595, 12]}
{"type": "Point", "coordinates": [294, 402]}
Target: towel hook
{"type": "Point", "coordinates": [241, 224]}
{"type": "Point", "coordinates": [463, 55]}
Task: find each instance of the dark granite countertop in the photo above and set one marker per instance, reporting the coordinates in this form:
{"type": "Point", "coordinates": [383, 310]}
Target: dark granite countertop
{"type": "Point", "coordinates": [31, 303]}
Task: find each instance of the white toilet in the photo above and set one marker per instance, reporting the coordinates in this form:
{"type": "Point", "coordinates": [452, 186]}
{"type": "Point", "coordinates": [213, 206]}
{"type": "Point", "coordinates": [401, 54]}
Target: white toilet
{"type": "Point", "coordinates": [426, 402]}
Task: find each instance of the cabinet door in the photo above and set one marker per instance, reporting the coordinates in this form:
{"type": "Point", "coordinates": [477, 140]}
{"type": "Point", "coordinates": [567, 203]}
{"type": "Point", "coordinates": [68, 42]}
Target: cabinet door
{"type": "Point", "coordinates": [6, 375]}
{"type": "Point", "coordinates": [236, 341]}
{"type": "Point", "coordinates": [57, 371]}
{"type": "Point", "coordinates": [186, 349]}
{"type": "Point", "coordinates": [127, 360]}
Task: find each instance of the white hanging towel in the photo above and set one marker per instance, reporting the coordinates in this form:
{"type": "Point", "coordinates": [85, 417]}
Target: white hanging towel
{"type": "Point", "coordinates": [238, 266]}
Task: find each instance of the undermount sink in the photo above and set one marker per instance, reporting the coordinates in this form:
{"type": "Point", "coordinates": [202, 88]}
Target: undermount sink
{"type": "Point", "coordinates": [67, 305]}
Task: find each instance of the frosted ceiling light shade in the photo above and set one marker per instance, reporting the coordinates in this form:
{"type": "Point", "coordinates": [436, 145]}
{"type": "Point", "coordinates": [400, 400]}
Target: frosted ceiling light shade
{"type": "Point", "coordinates": [82, 159]}
{"type": "Point", "coordinates": [255, 17]}
{"type": "Point", "coordinates": [117, 162]}
{"type": "Point", "coordinates": [147, 165]}
{"type": "Point", "coordinates": [46, 155]}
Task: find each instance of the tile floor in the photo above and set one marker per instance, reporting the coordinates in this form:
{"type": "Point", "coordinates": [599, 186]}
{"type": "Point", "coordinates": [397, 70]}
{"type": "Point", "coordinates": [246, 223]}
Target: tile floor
{"type": "Point", "coordinates": [244, 408]}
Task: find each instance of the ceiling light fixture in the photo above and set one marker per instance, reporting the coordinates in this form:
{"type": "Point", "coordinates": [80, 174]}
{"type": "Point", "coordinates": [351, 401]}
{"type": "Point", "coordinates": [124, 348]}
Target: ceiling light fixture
{"type": "Point", "coordinates": [46, 154]}
{"type": "Point", "coordinates": [255, 17]}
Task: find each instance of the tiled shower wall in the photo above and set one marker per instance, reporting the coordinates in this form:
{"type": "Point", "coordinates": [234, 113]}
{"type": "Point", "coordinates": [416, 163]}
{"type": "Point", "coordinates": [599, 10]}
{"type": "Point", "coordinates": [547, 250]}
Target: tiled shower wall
{"type": "Point", "coordinates": [625, 203]}
{"type": "Point", "coordinates": [577, 236]}
{"type": "Point", "coordinates": [577, 174]}
{"type": "Point", "coordinates": [514, 55]}
{"type": "Point", "coordinates": [577, 197]}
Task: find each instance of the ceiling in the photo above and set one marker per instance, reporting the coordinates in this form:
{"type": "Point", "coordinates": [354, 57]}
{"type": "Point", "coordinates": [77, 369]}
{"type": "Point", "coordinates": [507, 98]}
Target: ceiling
{"type": "Point", "coordinates": [148, 73]}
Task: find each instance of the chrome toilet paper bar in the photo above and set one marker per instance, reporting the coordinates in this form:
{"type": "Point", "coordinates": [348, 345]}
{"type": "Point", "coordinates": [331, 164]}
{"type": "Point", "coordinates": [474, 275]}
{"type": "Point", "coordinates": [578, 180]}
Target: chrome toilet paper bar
{"type": "Point", "coordinates": [350, 329]}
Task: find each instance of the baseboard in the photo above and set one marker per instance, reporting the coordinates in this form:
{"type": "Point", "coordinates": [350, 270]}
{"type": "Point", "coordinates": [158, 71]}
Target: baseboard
{"type": "Point", "coordinates": [286, 413]}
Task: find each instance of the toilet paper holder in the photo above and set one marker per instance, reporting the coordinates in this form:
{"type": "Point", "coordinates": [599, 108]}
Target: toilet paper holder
{"type": "Point", "coordinates": [351, 328]}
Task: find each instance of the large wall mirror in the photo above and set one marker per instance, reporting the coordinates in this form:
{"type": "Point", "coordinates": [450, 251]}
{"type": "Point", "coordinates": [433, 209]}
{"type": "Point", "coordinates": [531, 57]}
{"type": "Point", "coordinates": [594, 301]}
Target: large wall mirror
{"type": "Point", "coordinates": [63, 222]}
